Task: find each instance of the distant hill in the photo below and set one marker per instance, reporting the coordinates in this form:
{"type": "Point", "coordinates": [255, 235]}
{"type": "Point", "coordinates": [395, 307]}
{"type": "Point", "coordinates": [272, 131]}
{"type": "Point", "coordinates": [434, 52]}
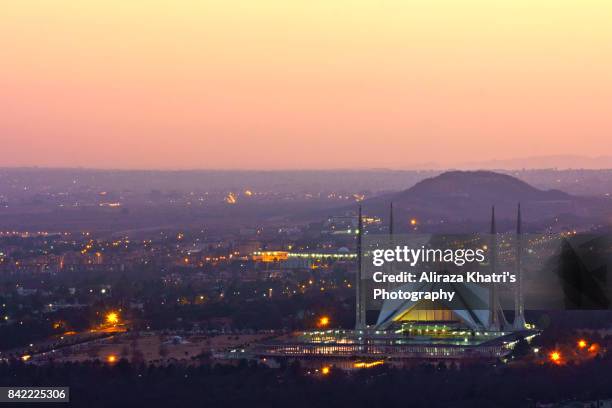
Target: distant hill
{"type": "Point", "coordinates": [467, 196]}
{"type": "Point", "coordinates": [478, 185]}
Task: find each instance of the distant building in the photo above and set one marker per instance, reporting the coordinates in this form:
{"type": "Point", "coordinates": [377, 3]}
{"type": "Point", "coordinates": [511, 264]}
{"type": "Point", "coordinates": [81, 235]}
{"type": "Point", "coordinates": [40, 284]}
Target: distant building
{"type": "Point", "coordinates": [270, 256]}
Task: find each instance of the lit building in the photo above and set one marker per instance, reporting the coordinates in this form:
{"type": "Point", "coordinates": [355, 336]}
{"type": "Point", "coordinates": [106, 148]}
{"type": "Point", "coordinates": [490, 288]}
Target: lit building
{"type": "Point", "coordinates": [277, 256]}
{"type": "Point", "coordinates": [407, 332]}
{"type": "Point", "coordinates": [270, 256]}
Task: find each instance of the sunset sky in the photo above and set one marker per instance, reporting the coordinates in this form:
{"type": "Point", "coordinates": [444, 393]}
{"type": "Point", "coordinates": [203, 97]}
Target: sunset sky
{"type": "Point", "coordinates": [302, 83]}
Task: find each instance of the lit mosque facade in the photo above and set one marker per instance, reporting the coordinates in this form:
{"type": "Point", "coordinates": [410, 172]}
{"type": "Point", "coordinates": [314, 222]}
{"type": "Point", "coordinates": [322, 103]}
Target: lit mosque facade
{"type": "Point", "coordinates": [411, 332]}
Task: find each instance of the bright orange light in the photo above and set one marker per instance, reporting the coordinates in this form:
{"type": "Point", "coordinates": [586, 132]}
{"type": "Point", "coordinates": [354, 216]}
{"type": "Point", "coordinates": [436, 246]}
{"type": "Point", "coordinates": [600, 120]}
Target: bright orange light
{"type": "Point", "coordinates": [413, 221]}
{"type": "Point", "coordinates": [555, 357]}
{"type": "Point", "coordinates": [324, 321]}
{"type": "Point", "coordinates": [112, 318]}
{"type": "Point", "coordinates": [594, 348]}
{"type": "Point", "coordinates": [26, 357]}
{"type": "Point", "coordinates": [325, 370]}
{"type": "Point", "coordinates": [363, 364]}
{"type": "Point", "coordinates": [582, 344]}
{"type": "Point", "coordinates": [111, 358]}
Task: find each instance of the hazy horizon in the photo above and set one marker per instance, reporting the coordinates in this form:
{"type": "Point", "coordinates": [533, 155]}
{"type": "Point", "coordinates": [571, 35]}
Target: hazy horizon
{"type": "Point", "coordinates": [526, 163]}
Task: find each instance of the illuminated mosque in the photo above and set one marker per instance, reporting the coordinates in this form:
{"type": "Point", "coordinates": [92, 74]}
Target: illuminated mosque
{"type": "Point", "coordinates": [411, 332]}
{"type": "Point", "coordinates": [468, 313]}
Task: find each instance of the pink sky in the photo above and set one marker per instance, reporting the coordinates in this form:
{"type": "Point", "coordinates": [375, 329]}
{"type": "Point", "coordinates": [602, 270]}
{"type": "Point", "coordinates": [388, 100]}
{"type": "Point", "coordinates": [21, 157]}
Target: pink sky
{"type": "Point", "coordinates": [302, 83]}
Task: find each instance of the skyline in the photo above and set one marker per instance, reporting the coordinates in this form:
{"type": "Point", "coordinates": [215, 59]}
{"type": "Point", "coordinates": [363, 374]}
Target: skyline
{"type": "Point", "coordinates": [302, 85]}
{"type": "Point", "coordinates": [559, 162]}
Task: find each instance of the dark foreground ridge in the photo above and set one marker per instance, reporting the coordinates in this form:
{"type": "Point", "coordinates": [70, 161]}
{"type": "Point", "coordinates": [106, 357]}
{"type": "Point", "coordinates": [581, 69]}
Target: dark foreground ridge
{"type": "Point", "coordinates": [247, 385]}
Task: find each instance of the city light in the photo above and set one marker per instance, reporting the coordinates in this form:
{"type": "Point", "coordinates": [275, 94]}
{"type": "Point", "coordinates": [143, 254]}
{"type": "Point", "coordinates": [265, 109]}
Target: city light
{"type": "Point", "coordinates": [363, 364]}
{"type": "Point", "coordinates": [555, 357]}
{"type": "Point", "coordinates": [594, 348]}
{"type": "Point", "coordinates": [582, 344]}
{"type": "Point", "coordinates": [325, 370]}
{"type": "Point", "coordinates": [111, 358]}
{"type": "Point", "coordinates": [324, 321]}
{"type": "Point", "coordinates": [413, 221]}
{"type": "Point", "coordinates": [112, 318]}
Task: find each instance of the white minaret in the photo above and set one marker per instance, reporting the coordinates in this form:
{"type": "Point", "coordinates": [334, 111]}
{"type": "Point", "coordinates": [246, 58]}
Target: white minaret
{"type": "Point", "coordinates": [494, 323]}
{"type": "Point", "coordinates": [519, 305]}
{"type": "Point", "coordinates": [360, 321]}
